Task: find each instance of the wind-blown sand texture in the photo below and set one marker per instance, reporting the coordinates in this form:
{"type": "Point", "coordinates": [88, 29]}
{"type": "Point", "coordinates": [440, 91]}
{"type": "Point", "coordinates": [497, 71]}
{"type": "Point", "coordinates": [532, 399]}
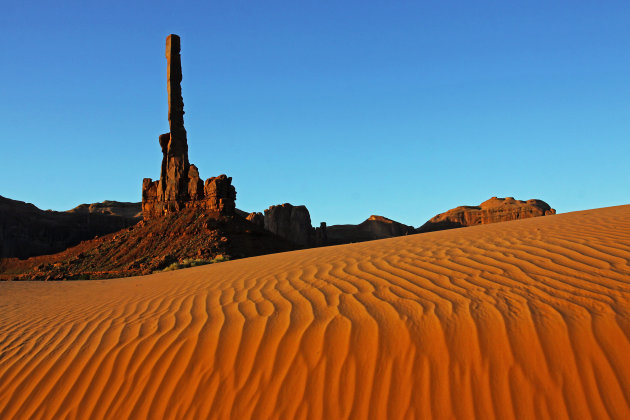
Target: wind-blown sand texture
{"type": "Point", "coordinates": [519, 320]}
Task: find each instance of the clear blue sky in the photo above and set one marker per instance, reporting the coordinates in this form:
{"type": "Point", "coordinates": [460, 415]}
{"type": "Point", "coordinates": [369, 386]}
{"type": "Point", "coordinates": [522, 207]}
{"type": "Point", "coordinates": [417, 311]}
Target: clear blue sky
{"type": "Point", "coordinates": [403, 109]}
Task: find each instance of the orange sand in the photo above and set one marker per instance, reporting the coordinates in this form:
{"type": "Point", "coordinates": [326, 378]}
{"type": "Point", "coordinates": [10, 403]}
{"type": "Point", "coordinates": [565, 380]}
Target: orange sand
{"type": "Point", "coordinates": [527, 319]}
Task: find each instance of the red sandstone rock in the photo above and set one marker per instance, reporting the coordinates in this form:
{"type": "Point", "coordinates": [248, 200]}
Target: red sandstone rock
{"type": "Point", "coordinates": [175, 165]}
{"type": "Point", "coordinates": [294, 224]}
{"type": "Point", "coordinates": [490, 211]}
{"type": "Point", "coordinates": [195, 184]}
{"type": "Point", "coordinates": [290, 222]}
{"type": "Point", "coordinates": [180, 186]}
{"type": "Point", "coordinates": [220, 194]}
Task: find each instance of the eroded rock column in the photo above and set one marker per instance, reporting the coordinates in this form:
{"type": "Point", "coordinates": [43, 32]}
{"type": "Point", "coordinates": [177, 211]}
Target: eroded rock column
{"type": "Point", "coordinates": [174, 175]}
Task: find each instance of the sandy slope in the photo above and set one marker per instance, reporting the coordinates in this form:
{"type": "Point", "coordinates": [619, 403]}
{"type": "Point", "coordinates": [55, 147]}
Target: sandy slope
{"type": "Point", "coordinates": [526, 319]}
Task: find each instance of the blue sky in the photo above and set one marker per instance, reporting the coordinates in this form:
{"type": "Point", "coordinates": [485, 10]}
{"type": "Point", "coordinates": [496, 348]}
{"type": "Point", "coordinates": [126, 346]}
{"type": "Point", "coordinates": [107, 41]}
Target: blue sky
{"type": "Point", "coordinates": [403, 109]}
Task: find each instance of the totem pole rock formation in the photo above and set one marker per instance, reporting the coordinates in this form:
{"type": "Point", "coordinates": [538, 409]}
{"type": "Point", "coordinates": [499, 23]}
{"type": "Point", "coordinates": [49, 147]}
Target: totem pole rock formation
{"type": "Point", "coordinates": [174, 144]}
{"type": "Point", "coordinates": [180, 186]}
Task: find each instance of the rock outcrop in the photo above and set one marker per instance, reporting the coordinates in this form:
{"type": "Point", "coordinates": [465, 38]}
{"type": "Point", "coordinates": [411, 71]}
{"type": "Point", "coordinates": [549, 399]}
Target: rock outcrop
{"type": "Point", "coordinates": [27, 231]}
{"type": "Point", "coordinates": [180, 185]}
{"type": "Point", "coordinates": [321, 234]}
{"type": "Point", "coordinates": [112, 208]}
{"type": "Point", "coordinates": [256, 218]}
{"type": "Point", "coordinates": [294, 224]}
{"type": "Point", "coordinates": [290, 222]}
{"type": "Point", "coordinates": [491, 211]}
{"type": "Point", "coordinates": [374, 227]}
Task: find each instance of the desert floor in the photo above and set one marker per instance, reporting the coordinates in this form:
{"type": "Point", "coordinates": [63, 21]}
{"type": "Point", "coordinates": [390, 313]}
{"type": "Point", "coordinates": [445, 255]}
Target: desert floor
{"type": "Point", "coordinates": [518, 320]}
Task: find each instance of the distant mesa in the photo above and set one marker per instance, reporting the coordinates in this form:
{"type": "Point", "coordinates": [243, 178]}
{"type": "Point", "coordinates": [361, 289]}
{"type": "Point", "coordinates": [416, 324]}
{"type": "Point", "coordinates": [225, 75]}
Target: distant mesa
{"type": "Point", "coordinates": [294, 224]}
{"type": "Point", "coordinates": [374, 227]}
{"type": "Point", "coordinates": [180, 186]}
{"type": "Point", "coordinates": [26, 231]}
{"type": "Point", "coordinates": [112, 208]}
{"type": "Point", "coordinates": [491, 211]}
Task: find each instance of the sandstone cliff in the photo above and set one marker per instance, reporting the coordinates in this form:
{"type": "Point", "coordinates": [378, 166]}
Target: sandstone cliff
{"type": "Point", "coordinates": [26, 230]}
{"type": "Point", "coordinates": [290, 222]}
{"type": "Point", "coordinates": [490, 211]}
{"type": "Point", "coordinates": [294, 224]}
{"type": "Point", "coordinates": [256, 218]}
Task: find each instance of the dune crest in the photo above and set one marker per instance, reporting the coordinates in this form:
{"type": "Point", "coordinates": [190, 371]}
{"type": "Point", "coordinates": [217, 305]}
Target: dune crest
{"type": "Point", "coordinates": [527, 319]}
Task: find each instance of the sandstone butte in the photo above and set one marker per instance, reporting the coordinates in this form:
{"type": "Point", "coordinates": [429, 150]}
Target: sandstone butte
{"type": "Point", "coordinates": [490, 211]}
{"type": "Point", "coordinates": [294, 222]}
{"type": "Point", "coordinates": [528, 319]}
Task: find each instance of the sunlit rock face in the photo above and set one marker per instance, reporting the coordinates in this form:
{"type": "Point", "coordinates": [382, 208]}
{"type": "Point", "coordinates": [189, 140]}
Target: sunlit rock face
{"type": "Point", "coordinates": [491, 211]}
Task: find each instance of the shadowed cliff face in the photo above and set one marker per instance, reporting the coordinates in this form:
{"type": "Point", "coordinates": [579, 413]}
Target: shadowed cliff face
{"type": "Point", "coordinates": [374, 227]}
{"type": "Point", "coordinates": [27, 231]}
{"type": "Point", "coordinates": [290, 222]}
{"type": "Point", "coordinates": [294, 224]}
{"type": "Point", "coordinates": [491, 211]}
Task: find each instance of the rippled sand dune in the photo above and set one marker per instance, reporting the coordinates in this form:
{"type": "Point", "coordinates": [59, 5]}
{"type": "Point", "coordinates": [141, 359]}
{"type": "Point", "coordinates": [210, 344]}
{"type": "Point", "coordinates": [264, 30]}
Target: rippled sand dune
{"type": "Point", "coordinates": [519, 320]}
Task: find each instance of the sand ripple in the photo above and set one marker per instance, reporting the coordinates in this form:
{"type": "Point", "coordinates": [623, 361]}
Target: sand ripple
{"type": "Point", "coordinates": [518, 320]}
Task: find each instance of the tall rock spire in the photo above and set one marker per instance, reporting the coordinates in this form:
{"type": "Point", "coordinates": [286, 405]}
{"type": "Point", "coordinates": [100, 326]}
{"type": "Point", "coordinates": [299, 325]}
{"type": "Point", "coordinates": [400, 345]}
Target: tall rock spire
{"type": "Point", "coordinates": [174, 144]}
{"type": "Point", "coordinates": [173, 83]}
{"type": "Point", "coordinates": [179, 186]}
